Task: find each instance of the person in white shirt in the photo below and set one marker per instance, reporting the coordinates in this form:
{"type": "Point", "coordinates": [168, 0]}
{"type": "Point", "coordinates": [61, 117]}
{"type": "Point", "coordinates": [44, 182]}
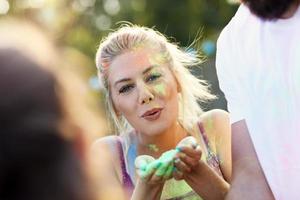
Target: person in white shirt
{"type": "Point", "coordinates": [258, 66]}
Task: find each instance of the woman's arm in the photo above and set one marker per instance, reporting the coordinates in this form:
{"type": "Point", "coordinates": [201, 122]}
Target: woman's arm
{"type": "Point", "coordinates": [146, 191]}
{"type": "Point", "coordinates": [105, 163]}
{"type": "Point", "coordinates": [199, 175]}
{"type": "Point", "coordinates": [110, 179]}
{"type": "Point", "coordinates": [152, 174]}
{"type": "Point", "coordinates": [222, 135]}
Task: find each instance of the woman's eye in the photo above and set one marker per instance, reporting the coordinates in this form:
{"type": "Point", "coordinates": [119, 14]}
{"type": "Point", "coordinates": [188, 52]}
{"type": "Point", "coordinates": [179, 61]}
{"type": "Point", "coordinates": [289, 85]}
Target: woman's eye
{"type": "Point", "coordinates": [153, 77]}
{"type": "Point", "coordinates": [125, 89]}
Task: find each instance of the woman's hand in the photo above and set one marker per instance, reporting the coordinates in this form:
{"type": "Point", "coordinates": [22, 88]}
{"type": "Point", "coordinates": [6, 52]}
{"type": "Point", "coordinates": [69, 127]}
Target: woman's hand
{"type": "Point", "coordinates": [152, 175]}
{"type": "Point", "coordinates": [198, 174]}
{"type": "Point", "coordinates": [186, 161]}
{"type": "Point", "coordinates": [187, 158]}
{"type": "Point", "coordinates": [154, 171]}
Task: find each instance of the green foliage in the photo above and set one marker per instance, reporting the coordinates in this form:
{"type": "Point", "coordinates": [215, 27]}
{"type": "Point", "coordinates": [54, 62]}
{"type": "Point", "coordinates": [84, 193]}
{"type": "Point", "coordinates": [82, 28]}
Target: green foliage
{"type": "Point", "coordinates": [81, 24]}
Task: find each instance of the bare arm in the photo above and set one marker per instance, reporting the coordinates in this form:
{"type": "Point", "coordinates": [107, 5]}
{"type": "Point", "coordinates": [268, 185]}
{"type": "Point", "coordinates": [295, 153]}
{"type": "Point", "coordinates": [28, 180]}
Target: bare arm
{"type": "Point", "coordinates": [144, 191]}
{"type": "Point", "coordinates": [203, 179]}
{"type": "Point", "coordinates": [207, 183]}
{"type": "Point", "coordinates": [109, 180]}
{"type": "Point", "coordinates": [200, 176]}
{"type": "Point", "coordinates": [223, 142]}
{"type": "Point", "coordinates": [248, 180]}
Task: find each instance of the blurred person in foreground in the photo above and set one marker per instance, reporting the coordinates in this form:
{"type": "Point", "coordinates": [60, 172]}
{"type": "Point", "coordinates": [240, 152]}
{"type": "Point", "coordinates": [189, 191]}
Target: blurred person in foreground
{"type": "Point", "coordinates": [152, 99]}
{"type": "Point", "coordinates": [41, 151]}
{"type": "Point", "coordinates": [258, 66]}
{"type": "Point", "coordinates": [44, 141]}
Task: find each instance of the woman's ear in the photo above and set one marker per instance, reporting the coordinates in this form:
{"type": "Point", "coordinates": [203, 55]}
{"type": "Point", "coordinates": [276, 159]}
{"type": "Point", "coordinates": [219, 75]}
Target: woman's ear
{"type": "Point", "coordinates": [113, 107]}
{"type": "Point", "coordinates": [118, 113]}
{"type": "Point", "coordinates": [178, 85]}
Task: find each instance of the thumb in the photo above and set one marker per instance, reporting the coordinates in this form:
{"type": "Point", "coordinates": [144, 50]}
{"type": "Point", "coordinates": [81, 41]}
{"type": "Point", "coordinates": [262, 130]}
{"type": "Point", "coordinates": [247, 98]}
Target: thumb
{"type": "Point", "coordinates": [142, 161]}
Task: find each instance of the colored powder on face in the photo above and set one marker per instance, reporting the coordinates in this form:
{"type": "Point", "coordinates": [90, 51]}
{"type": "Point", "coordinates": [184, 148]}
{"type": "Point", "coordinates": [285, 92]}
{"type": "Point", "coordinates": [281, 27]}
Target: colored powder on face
{"type": "Point", "coordinates": [159, 58]}
{"type": "Point", "coordinates": [160, 89]}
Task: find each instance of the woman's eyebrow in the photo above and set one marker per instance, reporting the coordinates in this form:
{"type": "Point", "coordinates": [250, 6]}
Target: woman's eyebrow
{"type": "Point", "coordinates": [149, 68]}
{"type": "Point", "coordinates": [144, 72]}
{"type": "Point", "coordinates": [122, 80]}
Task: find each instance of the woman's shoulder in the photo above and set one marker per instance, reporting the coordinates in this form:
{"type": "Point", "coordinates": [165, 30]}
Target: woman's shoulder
{"type": "Point", "coordinates": [215, 117]}
{"type": "Point", "coordinates": [107, 146]}
{"type": "Point", "coordinates": [114, 143]}
{"type": "Point", "coordinates": [216, 123]}
{"type": "Point", "coordinates": [106, 155]}
{"type": "Point", "coordinates": [107, 141]}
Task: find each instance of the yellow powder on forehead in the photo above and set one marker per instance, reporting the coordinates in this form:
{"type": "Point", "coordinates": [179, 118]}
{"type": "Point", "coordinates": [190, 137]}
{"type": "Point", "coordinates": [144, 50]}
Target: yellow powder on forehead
{"type": "Point", "coordinates": [159, 58]}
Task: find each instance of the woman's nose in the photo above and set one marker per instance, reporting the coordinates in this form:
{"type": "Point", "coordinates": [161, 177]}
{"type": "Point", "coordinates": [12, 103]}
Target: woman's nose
{"type": "Point", "coordinates": [145, 95]}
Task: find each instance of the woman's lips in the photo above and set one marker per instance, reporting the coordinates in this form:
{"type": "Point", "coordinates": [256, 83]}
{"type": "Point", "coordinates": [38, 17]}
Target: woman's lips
{"type": "Point", "coordinates": [152, 114]}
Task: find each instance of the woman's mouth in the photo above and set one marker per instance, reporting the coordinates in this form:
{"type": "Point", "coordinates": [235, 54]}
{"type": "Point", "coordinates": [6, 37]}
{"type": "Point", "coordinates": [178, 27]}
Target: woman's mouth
{"type": "Point", "coordinates": [152, 114]}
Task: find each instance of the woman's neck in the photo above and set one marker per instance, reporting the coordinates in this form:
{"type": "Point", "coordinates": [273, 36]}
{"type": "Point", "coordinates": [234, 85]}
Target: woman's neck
{"type": "Point", "coordinates": [158, 144]}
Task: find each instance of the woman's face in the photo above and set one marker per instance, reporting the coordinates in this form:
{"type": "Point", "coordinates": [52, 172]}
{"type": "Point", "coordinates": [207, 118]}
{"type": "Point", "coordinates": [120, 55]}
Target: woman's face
{"type": "Point", "coordinates": [144, 90]}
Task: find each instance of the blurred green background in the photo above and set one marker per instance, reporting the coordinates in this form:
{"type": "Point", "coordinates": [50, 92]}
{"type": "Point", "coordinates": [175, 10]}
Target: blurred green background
{"type": "Point", "coordinates": [77, 27]}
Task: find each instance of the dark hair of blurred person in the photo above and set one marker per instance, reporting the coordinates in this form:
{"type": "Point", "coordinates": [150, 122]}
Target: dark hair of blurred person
{"type": "Point", "coordinates": [270, 9]}
{"type": "Point", "coordinates": [61, 103]}
{"type": "Point", "coordinates": [37, 160]}
{"type": "Point", "coordinates": [47, 119]}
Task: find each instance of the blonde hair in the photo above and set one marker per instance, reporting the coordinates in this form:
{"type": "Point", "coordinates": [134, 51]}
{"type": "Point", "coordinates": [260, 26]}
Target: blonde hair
{"type": "Point", "coordinates": [130, 37]}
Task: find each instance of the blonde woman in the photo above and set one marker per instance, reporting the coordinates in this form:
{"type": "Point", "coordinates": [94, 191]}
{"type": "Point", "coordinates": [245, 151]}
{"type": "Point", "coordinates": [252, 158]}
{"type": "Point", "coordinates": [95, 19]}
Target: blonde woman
{"type": "Point", "coordinates": [152, 99]}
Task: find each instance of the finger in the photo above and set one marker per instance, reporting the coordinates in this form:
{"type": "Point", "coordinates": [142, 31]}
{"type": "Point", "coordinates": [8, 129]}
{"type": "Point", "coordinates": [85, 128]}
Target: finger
{"type": "Point", "coordinates": [189, 141]}
{"type": "Point", "coordinates": [142, 174]}
{"type": "Point", "coordinates": [141, 164]}
{"type": "Point", "coordinates": [178, 175]}
{"type": "Point", "coordinates": [149, 171]}
{"type": "Point", "coordinates": [181, 166]}
{"type": "Point", "coordinates": [142, 161]}
{"type": "Point", "coordinates": [160, 172]}
{"type": "Point", "coordinates": [169, 172]}
{"type": "Point", "coordinates": [151, 167]}
{"type": "Point", "coordinates": [191, 162]}
{"type": "Point", "coordinates": [194, 153]}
